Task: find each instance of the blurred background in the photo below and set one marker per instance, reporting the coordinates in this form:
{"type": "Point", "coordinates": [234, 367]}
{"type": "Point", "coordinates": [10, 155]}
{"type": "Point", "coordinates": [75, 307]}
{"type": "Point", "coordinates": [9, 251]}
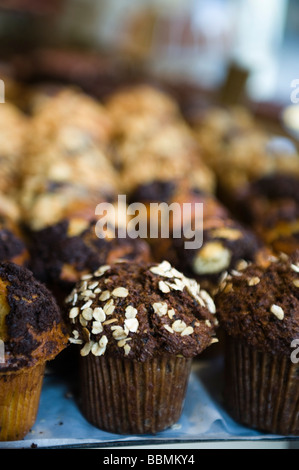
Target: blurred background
{"type": "Point", "coordinates": [231, 51]}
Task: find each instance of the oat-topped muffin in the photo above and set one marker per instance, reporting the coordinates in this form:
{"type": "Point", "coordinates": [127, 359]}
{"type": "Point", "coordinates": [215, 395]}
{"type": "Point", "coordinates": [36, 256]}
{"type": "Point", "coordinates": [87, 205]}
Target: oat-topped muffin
{"type": "Point", "coordinates": [33, 332]}
{"type": "Point", "coordinates": [144, 321]}
{"type": "Point", "coordinates": [259, 310]}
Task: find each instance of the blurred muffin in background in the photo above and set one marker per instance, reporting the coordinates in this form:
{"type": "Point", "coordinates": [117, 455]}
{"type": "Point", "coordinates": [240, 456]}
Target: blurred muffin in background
{"type": "Point", "coordinates": [152, 141]}
{"type": "Point", "coordinates": [14, 130]}
{"type": "Point", "coordinates": [270, 205]}
{"type": "Point", "coordinates": [240, 150]}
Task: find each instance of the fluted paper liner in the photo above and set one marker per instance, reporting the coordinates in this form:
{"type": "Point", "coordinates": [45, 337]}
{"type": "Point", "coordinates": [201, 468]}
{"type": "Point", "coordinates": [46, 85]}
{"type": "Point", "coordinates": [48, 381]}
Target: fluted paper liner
{"type": "Point", "coordinates": [19, 400]}
{"type": "Point", "coordinates": [261, 390]}
{"type": "Point", "coordinates": [129, 397]}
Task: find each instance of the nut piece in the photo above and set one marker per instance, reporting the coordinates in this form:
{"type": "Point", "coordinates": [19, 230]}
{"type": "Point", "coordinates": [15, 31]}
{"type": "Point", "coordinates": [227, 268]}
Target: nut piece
{"type": "Point", "coordinates": [277, 311]}
{"type": "Point", "coordinates": [296, 282]}
{"type": "Point", "coordinates": [212, 258]}
{"type": "Point", "coordinates": [253, 281]}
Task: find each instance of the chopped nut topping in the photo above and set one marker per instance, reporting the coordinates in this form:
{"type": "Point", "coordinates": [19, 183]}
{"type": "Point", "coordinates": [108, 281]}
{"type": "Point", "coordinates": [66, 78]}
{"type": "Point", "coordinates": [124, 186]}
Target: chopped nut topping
{"type": "Point", "coordinates": [277, 311]}
{"type": "Point", "coordinates": [127, 349]}
{"type": "Point", "coordinates": [296, 282]}
{"type": "Point", "coordinates": [253, 281]}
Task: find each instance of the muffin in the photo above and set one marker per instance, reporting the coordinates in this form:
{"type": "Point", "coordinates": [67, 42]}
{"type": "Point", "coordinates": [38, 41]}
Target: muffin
{"type": "Point", "coordinates": [12, 243]}
{"type": "Point", "coordinates": [33, 333]}
{"type": "Point", "coordinates": [14, 129]}
{"type": "Point", "coordinates": [63, 252]}
{"type": "Point", "coordinates": [270, 205]}
{"type": "Point", "coordinates": [152, 141]}
{"type": "Point", "coordinates": [224, 242]}
{"type": "Point", "coordinates": [259, 311]}
{"type": "Point", "coordinates": [138, 325]}
{"type": "Point", "coordinates": [239, 150]}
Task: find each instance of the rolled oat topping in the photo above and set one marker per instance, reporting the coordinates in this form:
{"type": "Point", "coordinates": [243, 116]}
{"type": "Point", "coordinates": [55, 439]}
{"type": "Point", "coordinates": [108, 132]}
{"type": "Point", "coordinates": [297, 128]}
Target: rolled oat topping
{"type": "Point", "coordinates": [141, 309]}
{"type": "Point", "coordinates": [262, 305]}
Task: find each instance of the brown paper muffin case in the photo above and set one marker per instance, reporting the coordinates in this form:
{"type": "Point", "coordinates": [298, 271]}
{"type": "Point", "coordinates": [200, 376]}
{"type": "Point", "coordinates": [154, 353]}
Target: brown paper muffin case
{"type": "Point", "coordinates": [131, 397]}
{"type": "Point", "coordinates": [19, 401]}
{"type": "Point", "coordinates": [261, 390]}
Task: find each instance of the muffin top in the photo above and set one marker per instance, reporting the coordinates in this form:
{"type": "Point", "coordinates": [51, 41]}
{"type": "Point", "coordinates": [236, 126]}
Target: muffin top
{"type": "Point", "coordinates": [140, 310]}
{"type": "Point", "coordinates": [260, 304]}
{"type": "Point", "coordinates": [12, 245]}
{"type": "Point", "coordinates": [63, 252]}
{"type": "Point", "coordinates": [31, 326]}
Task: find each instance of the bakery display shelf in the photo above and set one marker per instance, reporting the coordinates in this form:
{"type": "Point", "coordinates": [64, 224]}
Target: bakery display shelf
{"type": "Point", "coordinates": [204, 422]}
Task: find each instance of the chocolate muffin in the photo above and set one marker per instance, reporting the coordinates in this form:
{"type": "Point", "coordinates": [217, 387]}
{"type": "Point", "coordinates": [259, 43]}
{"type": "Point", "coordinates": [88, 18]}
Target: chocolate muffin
{"type": "Point", "coordinates": [62, 253]}
{"type": "Point", "coordinates": [259, 311]}
{"type": "Point", "coordinates": [270, 205]}
{"type": "Point", "coordinates": [138, 325]}
{"type": "Point", "coordinates": [32, 333]}
{"type": "Point", "coordinates": [12, 243]}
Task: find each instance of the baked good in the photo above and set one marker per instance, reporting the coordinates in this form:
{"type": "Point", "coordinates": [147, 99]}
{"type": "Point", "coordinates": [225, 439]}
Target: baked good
{"type": "Point", "coordinates": [32, 333]}
{"type": "Point", "coordinates": [270, 205]}
{"type": "Point", "coordinates": [63, 252]}
{"type": "Point", "coordinates": [12, 242]}
{"type": "Point", "coordinates": [152, 141]}
{"type": "Point", "coordinates": [14, 128]}
{"type": "Point", "coordinates": [138, 325]}
{"type": "Point", "coordinates": [239, 150]}
{"type": "Point", "coordinates": [259, 311]}
{"type": "Point", "coordinates": [67, 163]}
{"type": "Point", "coordinates": [224, 243]}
